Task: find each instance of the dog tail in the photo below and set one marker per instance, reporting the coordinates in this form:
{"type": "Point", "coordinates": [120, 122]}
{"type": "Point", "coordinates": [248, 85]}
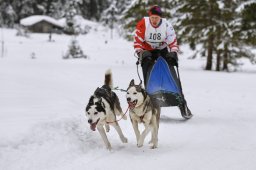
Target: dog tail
{"type": "Point", "coordinates": [108, 79]}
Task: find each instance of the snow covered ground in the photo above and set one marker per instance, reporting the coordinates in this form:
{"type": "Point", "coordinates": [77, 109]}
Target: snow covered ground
{"type": "Point", "coordinates": [42, 101]}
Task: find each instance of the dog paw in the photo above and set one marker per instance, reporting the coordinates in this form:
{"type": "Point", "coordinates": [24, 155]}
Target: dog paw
{"type": "Point", "coordinates": [153, 147]}
{"type": "Point", "coordinates": [140, 142]}
{"type": "Point", "coordinates": [107, 128]}
{"type": "Point", "coordinates": [124, 140]}
{"type": "Point", "coordinates": [109, 147]}
{"type": "Point", "coordinates": [139, 145]}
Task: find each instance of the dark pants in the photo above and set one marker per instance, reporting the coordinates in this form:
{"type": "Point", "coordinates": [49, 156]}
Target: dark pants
{"type": "Point", "coordinates": [149, 59]}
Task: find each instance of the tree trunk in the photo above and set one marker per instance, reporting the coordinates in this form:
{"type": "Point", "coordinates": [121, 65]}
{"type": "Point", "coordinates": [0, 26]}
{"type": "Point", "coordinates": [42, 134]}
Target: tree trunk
{"type": "Point", "coordinates": [218, 42]}
{"type": "Point", "coordinates": [225, 58]}
{"type": "Point", "coordinates": [218, 60]}
{"type": "Point", "coordinates": [209, 55]}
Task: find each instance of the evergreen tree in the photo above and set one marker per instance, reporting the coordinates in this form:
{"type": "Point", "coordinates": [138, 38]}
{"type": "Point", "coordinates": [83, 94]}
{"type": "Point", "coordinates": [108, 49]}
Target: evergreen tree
{"type": "Point", "coordinates": [93, 9]}
{"type": "Point", "coordinates": [110, 15]}
{"type": "Point", "coordinates": [135, 12]}
{"type": "Point", "coordinates": [232, 45]}
{"type": "Point", "coordinates": [248, 24]}
{"type": "Point", "coordinates": [74, 50]}
{"type": "Point", "coordinates": [9, 15]}
{"type": "Point", "coordinates": [197, 25]}
{"type": "Point", "coordinates": [113, 12]}
{"type": "Point", "coordinates": [90, 9]}
{"type": "Point", "coordinates": [53, 8]}
{"type": "Point", "coordinates": [70, 27]}
{"type": "Point", "coordinates": [119, 5]}
{"type": "Point", "coordinates": [227, 28]}
{"type": "Point", "coordinates": [214, 27]}
{"type": "Point", "coordinates": [13, 11]}
{"type": "Point", "coordinates": [24, 8]}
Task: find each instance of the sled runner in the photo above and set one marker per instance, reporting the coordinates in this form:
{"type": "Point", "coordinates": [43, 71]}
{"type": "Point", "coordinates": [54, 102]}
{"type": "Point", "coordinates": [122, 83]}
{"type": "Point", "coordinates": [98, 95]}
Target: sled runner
{"type": "Point", "coordinates": [164, 87]}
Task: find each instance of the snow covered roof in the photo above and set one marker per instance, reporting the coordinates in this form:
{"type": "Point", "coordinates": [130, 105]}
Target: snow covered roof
{"type": "Point", "coordinates": [31, 20]}
{"type": "Point", "coordinates": [79, 20]}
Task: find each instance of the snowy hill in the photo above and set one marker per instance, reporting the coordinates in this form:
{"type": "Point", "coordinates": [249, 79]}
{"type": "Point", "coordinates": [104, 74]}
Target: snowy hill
{"type": "Point", "coordinates": [42, 102]}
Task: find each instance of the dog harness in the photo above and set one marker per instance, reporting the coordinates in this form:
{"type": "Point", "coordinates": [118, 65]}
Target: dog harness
{"type": "Point", "coordinates": [107, 94]}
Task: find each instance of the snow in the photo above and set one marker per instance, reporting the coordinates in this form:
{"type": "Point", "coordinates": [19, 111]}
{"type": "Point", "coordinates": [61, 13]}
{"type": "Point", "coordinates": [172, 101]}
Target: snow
{"type": "Point", "coordinates": [79, 20]}
{"type": "Point", "coordinates": [42, 102]}
{"type": "Point", "coordinates": [220, 4]}
{"type": "Point", "coordinates": [31, 20]}
{"type": "Point", "coordinates": [241, 7]}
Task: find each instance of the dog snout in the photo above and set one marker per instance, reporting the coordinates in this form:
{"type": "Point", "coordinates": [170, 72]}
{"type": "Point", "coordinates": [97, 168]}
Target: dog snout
{"type": "Point", "coordinates": [128, 99]}
{"type": "Point", "coordinates": [90, 121]}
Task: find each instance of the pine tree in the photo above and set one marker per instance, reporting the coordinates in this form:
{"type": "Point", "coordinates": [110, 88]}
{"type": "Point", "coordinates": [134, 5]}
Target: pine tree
{"type": "Point", "coordinates": [90, 9]}
{"type": "Point", "coordinates": [74, 50]}
{"type": "Point", "coordinates": [110, 15]}
{"type": "Point", "coordinates": [9, 16]}
{"type": "Point", "coordinates": [70, 27]}
{"type": "Point", "coordinates": [214, 27]}
{"type": "Point", "coordinates": [227, 27]}
{"type": "Point", "coordinates": [232, 45]}
{"type": "Point", "coordinates": [93, 9]}
{"type": "Point", "coordinates": [248, 28]}
{"type": "Point", "coordinates": [248, 24]}
{"type": "Point", "coordinates": [113, 12]}
{"type": "Point", "coordinates": [197, 23]}
{"type": "Point", "coordinates": [132, 15]}
{"type": "Point", "coordinates": [24, 8]}
{"type": "Point", "coordinates": [54, 8]}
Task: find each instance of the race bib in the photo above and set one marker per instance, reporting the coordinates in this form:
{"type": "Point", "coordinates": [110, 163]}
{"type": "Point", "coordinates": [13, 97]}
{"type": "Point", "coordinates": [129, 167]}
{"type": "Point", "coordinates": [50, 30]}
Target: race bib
{"type": "Point", "coordinates": [155, 36]}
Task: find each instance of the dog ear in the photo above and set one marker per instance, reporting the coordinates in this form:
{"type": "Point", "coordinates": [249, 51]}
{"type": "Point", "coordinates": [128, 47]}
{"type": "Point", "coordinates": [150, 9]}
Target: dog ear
{"type": "Point", "coordinates": [132, 83]}
{"type": "Point", "coordinates": [90, 100]}
{"type": "Point", "coordinates": [139, 88]}
{"type": "Point", "coordinates": [140, 83]}
{"type": "Point", "coordinates": [102, 104]}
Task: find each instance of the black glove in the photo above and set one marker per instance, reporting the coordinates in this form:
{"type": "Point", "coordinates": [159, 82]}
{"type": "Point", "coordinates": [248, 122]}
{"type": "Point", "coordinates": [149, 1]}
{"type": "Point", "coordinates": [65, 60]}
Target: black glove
{"type": "Point", "coordinates": [139, 54]}
{"type": "Point", "coordinates": [144, 54]}
{"type": "Point", "coordinates": [172, 57]}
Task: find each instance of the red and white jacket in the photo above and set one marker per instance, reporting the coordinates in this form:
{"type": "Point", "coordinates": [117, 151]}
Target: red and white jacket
{"type": "Point", "coordinates": [148, 37]}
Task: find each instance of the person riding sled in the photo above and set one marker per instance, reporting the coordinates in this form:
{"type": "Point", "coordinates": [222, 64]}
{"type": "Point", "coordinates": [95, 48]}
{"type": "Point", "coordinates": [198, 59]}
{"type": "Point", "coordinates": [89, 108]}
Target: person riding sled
{"type": "Point", "coordinates": [155, 38]}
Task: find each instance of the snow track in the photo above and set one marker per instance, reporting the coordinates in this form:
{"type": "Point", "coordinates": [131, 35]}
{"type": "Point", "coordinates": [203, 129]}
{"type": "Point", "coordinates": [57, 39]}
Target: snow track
{"type": "Point", "coordinates": [42, 102]}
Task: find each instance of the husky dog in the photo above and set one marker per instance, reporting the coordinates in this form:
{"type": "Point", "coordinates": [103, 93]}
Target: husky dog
{"type": "Point", "coordinates": [142, 110]}
{"type": "Point", "coordinates": [102, 109]}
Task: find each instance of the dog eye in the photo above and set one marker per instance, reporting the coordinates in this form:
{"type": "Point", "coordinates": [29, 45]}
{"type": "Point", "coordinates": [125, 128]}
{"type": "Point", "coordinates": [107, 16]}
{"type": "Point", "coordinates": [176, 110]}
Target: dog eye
{"type": "Point", "coordinates": [88, 113]}
{"type": "Point", "coordinates": [95, 113]}
{"type": "Point", "coordinates": [134, 93]}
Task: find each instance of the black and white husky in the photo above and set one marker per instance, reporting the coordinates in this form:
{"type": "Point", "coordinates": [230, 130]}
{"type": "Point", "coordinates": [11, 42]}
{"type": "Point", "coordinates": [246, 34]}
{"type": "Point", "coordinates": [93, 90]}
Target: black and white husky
{"type": "Point", "coordinates": [142, 110]}
{"type": "Point", "coordinates": [102, 109]}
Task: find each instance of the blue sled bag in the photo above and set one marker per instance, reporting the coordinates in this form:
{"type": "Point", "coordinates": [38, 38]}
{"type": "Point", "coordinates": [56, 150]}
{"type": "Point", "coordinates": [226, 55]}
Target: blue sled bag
{"type": "Point", "coordinates": [162, 87]}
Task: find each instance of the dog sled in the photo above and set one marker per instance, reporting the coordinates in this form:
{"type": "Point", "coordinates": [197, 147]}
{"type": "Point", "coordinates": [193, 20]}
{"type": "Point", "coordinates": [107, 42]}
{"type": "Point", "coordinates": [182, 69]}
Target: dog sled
{"type": "Point", "coordinates": [164, 87]}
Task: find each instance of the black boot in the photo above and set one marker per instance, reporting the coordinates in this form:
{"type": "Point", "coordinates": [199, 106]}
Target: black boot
{"type": "Point", "coordinates": [185, 112]}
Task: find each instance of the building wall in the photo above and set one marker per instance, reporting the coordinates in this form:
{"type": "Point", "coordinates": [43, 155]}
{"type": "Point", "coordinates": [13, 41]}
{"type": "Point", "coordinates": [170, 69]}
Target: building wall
{"type": "Point", "coordinates": [42, 27]}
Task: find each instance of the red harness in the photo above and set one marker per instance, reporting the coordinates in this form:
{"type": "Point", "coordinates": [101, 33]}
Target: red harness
{"type": "Point", "coordinates": [120, 118]}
